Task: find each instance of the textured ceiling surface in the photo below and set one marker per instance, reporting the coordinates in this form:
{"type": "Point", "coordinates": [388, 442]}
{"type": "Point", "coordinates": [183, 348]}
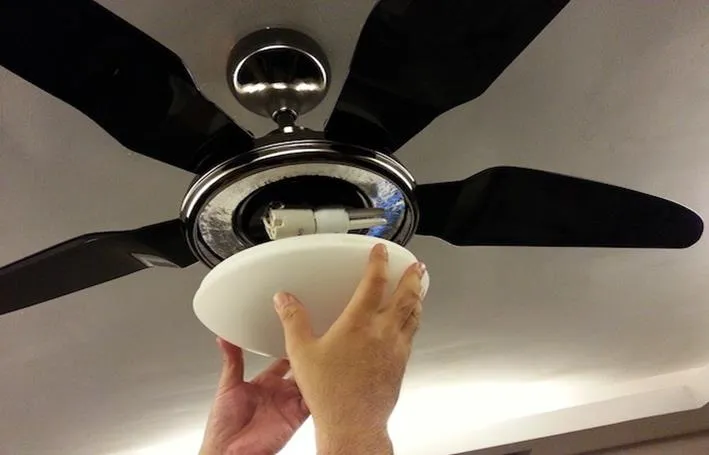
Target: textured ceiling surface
{"type": "Point", "coordinates": [615, 91]}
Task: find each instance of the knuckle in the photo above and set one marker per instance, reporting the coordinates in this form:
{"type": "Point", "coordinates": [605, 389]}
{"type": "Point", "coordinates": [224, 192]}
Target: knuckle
{"type": "Point", "coordinates": [414, 323]}
{"type": "Point", "coordinates": [289, 313]}
{"type": "Point", "coordinates": [410, 297]}
{"type": "Point", "coordinates": [407, 303]}
{"type": "Point", "coordinates": [377, 280]}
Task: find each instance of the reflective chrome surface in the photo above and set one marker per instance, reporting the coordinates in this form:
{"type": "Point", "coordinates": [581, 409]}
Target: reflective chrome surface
{"type": "Point", "coordinates": [212, 202]}
{"type": "Point", "coordinates": [275, 70]}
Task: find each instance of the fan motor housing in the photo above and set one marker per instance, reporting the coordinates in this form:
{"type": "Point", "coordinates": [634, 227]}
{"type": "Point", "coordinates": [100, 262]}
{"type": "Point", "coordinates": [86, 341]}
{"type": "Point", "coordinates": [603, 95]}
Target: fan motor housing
{"type": "Point", "coordinates": [222, 208]}
{"type": "Point", "coordinates": [282, 74]}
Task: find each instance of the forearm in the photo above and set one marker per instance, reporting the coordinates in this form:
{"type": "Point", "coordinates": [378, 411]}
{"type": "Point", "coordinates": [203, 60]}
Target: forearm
{"type": "Point", "coordinates": [372, 442]}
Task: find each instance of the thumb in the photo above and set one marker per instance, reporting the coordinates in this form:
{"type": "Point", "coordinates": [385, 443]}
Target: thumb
{"type": "Point", "coordinates": [232, 365]}
{"type": "Point", "coordinates": [294, 318]}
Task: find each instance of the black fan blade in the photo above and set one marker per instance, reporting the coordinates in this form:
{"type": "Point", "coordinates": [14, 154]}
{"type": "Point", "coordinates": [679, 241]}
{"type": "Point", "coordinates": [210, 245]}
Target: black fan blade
{"type": "Point", "coordinates": [511, 206]}
{"type": "Point", "coordinates": [89, 260]}
{"type": "Point", "coordinates": [416, 59]}
{"type": "Point", "coordinates": [132, 86]}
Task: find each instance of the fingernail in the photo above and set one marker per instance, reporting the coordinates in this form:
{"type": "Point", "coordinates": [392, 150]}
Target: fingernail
{"type": "Point", "coordinates": [281, 299]}
{"type": "Point", "coordinates": [421, 268]}
{"type": "Point", "coordinates": [381, 249]}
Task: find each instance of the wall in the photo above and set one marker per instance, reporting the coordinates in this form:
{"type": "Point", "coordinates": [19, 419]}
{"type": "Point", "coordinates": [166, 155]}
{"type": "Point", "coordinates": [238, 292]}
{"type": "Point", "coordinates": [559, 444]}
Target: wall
{"type": "Point", "coordinates": [697, 444]}
{"type": "Point", "coordinates": [675, 433]}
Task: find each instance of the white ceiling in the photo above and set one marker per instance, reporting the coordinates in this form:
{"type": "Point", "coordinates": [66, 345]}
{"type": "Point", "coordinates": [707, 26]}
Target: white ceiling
{"type": "Point", "coordinates": [616, 91]}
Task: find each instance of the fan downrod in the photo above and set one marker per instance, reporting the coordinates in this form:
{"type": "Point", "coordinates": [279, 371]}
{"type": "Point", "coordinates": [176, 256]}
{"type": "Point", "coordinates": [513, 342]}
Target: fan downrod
{"type": "Point", "coordinates": [278, 73]}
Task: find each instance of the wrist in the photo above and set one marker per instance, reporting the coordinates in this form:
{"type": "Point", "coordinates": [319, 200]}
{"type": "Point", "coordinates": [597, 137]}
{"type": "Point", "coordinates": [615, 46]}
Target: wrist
{"type": "Point", "coordinates": [372, 441]}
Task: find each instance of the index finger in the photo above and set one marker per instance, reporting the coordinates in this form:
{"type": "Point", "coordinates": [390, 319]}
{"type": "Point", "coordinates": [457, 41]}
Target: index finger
{"type": "Point", "coordinates": [369, 294]}
{"type": "Point", "coordinates": [232, 364]}
{"type": "Point", "coordinates": [407, 295]}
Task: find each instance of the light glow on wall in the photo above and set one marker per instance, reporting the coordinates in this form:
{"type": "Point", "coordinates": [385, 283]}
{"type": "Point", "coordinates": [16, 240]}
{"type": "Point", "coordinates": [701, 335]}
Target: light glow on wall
{"type": "Point", "coordinates": [444, 417]}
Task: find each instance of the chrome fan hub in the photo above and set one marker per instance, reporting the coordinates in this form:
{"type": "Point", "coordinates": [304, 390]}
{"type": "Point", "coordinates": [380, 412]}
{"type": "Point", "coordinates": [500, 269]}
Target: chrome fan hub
{"type": "Point", "coordinates": [222, 209]}
{"type": "Point", "coordinates": [275, 70]}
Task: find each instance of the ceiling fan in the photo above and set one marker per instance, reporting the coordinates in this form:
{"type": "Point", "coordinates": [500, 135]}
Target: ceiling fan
{"type": "Point", "coordinates": [414, 60]}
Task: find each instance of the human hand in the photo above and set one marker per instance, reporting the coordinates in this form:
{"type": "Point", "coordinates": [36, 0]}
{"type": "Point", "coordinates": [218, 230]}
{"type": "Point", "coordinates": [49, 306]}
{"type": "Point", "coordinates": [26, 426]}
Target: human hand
{"type": "Point", "coordinates": [351, 376]}
{"type": "Point", "coordinates": [252, 418]}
